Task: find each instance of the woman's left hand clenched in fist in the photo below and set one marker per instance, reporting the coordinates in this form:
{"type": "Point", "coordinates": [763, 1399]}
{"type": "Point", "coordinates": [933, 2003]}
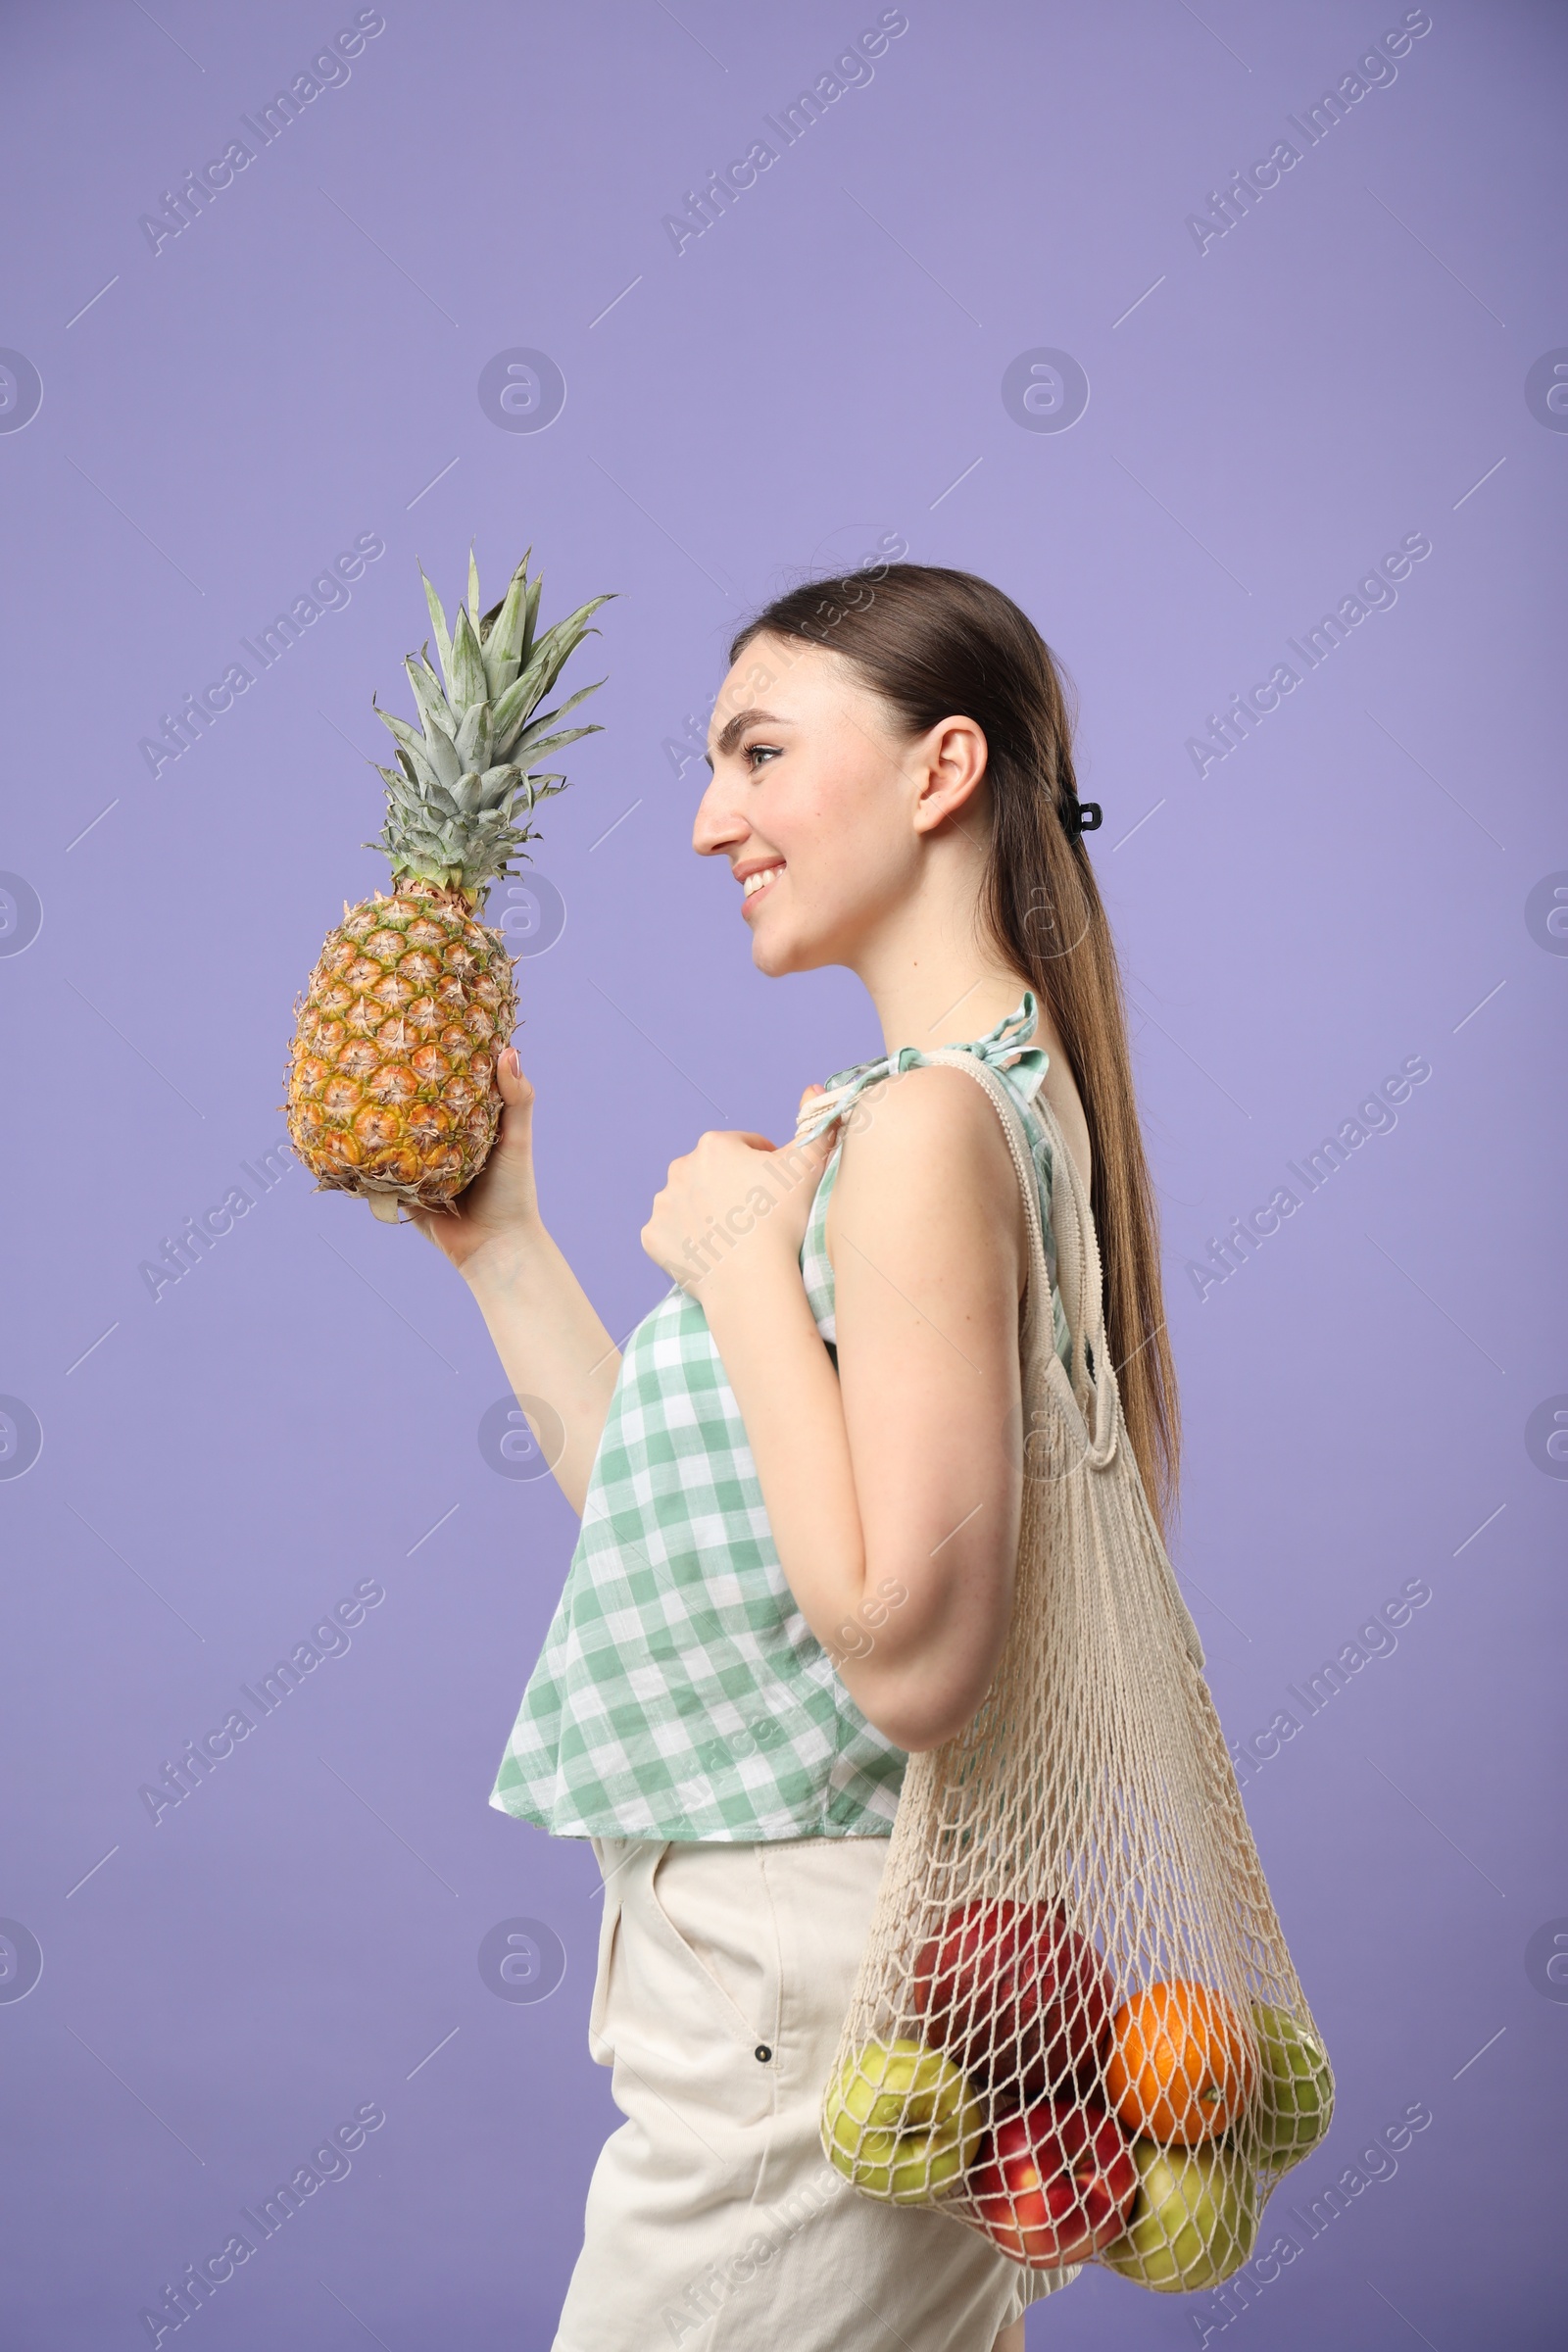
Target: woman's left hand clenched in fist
{"type": "Point", "coordinates": [734, 1204]}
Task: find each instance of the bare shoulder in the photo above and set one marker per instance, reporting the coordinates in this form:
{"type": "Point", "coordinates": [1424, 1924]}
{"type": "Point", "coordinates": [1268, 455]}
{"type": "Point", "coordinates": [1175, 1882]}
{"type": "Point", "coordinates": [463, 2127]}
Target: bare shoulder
{"type": "Point", "coordinates": [926, 1147]}
{"type": "Point", "coordinates": [934, 1105]}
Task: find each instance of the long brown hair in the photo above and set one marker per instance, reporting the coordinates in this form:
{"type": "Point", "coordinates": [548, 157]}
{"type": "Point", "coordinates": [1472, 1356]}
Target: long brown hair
{"type": "Point", "coordinates": [936, 644]}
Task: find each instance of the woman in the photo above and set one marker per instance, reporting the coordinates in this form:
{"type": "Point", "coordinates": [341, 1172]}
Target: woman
{"type": "Point", "coordinates": [801, 1486]}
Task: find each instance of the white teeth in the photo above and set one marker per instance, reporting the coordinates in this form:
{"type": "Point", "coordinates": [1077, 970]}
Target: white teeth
{"type": "Point", "coordinates": [754, 882]}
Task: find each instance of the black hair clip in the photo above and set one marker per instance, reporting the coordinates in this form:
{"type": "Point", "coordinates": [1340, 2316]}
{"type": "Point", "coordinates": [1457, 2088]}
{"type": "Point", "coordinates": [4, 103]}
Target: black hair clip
{"type": "Point", "coordinates": [1082, 816]}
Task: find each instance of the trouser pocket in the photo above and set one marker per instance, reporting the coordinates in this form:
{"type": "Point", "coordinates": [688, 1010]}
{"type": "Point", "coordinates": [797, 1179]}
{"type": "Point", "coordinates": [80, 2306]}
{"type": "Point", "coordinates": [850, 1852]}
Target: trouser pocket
{"type": "Point", "coordinates": [692, 1996]}
{"type": "Point", "coordinates": [617, 1859]}
{"type": "Point", "coordinates": [712, 1904]}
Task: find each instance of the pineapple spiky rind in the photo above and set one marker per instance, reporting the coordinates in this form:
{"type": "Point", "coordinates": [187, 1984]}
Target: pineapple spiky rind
{"type": "Point", "coordinates": [391, 1084]}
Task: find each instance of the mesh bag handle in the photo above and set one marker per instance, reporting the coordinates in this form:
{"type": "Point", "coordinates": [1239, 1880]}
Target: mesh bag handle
{"type": "Point", "coordinates": [1076, 2026]}
{"type": "Point", "coordinates": [1081, 1282]}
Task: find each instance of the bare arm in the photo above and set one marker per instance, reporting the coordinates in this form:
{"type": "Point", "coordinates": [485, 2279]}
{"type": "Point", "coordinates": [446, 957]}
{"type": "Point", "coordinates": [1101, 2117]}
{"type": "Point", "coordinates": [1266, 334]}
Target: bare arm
{"type": "Point", "coordinates": [551, 1344]}
{"type": "Point", "coordinates": [892, 1489]}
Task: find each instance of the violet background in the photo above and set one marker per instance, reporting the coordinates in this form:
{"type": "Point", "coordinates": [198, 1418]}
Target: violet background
{"type": "Point", "coordinates": [823, 366]}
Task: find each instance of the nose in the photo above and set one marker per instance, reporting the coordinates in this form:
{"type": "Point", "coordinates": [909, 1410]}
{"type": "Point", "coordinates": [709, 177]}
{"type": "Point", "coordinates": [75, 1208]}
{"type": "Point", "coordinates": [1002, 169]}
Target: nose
{"type": "Point", "coordinates": [719, 823]}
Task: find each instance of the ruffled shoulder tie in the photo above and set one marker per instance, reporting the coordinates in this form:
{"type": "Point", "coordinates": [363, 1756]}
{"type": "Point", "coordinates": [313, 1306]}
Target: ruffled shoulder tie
{"type": "Point", "coordinates": [1004, 1047]}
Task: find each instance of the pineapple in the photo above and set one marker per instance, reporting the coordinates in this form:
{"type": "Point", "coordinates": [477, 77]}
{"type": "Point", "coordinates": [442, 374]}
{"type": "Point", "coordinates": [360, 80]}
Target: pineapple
{"type": "Point", "coordinates": [391, 1084]}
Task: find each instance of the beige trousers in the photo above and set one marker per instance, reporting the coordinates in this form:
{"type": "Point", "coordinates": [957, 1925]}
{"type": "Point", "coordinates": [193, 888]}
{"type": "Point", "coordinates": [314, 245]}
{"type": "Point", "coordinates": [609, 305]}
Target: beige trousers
{"type": "Point", "coordinates": [713, 2220]}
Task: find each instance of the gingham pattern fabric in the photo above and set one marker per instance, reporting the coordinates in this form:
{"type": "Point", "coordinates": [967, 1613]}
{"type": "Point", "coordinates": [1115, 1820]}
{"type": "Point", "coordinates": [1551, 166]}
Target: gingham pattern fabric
{"type": "Point", "coordinates": [680, 1693]}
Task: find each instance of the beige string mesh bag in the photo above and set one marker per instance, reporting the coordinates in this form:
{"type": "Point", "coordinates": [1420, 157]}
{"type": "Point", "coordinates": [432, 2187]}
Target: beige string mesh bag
{"type": "Point", "coordinates": [1076, 2028]}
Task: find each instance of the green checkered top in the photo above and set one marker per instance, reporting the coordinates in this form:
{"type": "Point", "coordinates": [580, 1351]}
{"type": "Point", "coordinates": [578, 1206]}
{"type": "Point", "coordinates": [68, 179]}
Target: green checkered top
{"type": "Point", "coordinates": [680, 1693]}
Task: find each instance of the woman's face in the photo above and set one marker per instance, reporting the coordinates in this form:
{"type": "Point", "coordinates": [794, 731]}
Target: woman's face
{"type": "Point", "coordinates": [817, 792]}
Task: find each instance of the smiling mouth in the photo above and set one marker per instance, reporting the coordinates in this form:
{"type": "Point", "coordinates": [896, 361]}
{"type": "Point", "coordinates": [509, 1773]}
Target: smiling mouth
{"type": "Point", "coordinates": [757, 886]}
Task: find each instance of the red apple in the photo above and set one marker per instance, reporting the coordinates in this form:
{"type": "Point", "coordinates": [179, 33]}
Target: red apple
{"type": "Point", "coordinates": [1054, 2183]}
{"type": "Point", "coordinates": [1019, 1999]}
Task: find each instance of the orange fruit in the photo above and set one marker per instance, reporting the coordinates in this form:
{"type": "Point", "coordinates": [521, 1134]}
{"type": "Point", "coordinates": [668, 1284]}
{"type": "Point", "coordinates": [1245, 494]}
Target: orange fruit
{"type": "Point", "coordinates": [1180, 2068]}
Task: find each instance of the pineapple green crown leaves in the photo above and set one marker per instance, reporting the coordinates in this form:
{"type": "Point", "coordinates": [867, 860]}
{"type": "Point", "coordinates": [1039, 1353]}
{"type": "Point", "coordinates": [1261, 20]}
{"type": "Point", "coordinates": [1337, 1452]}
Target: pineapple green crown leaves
{"type": "Point", "coordinates": [466, 774]}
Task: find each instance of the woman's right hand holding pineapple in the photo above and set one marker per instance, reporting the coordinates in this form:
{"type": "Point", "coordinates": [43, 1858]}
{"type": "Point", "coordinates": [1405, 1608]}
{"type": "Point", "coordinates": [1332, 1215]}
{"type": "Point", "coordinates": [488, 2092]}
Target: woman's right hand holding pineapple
{"type": "Point", "coordinates": [496, 1217]}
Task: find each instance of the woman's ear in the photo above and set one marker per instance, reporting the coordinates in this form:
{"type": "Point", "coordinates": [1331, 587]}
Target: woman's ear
{"type": "Point", "coordinates": [950, 768]}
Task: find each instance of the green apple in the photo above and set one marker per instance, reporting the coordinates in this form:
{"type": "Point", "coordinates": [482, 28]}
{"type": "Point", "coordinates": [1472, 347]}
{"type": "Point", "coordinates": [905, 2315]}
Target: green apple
{"type": "Point", "coordinates": [901, 2122]}
{"type": "Point", "coordinates": [1194, 2220]}
{"type": "Point", "coordinates": [1296, 2089]}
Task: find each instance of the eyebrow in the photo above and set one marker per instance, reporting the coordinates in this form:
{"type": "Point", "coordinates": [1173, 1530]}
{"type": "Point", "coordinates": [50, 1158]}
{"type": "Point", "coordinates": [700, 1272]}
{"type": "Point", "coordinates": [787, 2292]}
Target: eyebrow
{"type": "Point", "coordinates": [737, 727]}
